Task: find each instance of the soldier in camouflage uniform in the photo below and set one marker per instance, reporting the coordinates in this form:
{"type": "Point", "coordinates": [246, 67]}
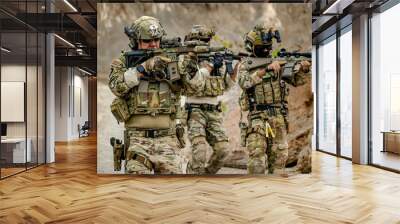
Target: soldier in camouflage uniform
{"type": "Point", "coordinates": [147, 107]}
{"type": "Point", "coordinates": [202, 87]}
{"type": "Point", "coordinates": [264, 95]}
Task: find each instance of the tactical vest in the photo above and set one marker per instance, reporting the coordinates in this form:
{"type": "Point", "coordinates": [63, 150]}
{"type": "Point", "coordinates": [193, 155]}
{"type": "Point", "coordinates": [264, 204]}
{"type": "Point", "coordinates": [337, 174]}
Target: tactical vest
{"type": "Point", "coordinates": [272, 91]}
{"type": "Point", "coordinates": [151, 98]}
{"type": "Point", "coordinates": [214, 86]}
{"type": "Point", "coordinates": [151, 104]}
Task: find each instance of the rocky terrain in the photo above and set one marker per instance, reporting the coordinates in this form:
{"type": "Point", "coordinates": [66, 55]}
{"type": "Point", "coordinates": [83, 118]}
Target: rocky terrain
{"type": "Point", "coordinates": [231, 22]}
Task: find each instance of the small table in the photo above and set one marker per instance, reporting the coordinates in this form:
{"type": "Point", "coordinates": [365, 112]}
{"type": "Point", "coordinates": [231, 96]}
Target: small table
{"type": "Point", "coordinates": [391, 141]}
{"type": "Point", "coordinates": [16, 154]}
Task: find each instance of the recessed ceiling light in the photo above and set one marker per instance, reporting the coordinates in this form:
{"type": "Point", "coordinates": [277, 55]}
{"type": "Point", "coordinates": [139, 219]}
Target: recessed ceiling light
{"type": "Point", "coordinates": [70, 5]}
{"type": "Point", "coordinates": [5, 50]}
{"type": "Point", "coordinates": [337, 7]}
{"type": "Point", "coordinates": [86, 72]}
{"type": "Point", "coordinates": [64, 40]}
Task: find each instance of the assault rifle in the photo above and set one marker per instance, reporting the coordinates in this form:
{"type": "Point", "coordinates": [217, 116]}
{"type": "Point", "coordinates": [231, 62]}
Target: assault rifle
{"type": "Point", "coordinates": [284, 53]}
{"type": "Point", "coordinates": [172, 48]}
{"type": "Point", "coordinates": [287, 60]}
{"type": "Point", "coordinates": [135, 57]}
{"type": "Point", "coordinates": [224, 54]}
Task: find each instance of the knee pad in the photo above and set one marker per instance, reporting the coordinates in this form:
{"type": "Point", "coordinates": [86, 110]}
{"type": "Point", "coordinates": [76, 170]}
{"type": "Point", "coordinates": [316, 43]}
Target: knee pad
{"type": "Point", "coordinates": [135, 167]}
{"type": "Point", "coordinates": [199, 144]}
{"type": "Point", "coordinates": [198, 140]}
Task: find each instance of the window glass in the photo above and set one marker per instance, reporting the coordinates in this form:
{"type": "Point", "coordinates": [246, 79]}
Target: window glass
{"type": "Point", "coordinates": [327, 96]}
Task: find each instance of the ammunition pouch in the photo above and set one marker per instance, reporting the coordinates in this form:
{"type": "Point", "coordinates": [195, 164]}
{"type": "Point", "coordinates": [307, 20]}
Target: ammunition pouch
{"type": "Point", "coordinates": [214, 86]}
{"type": "Point", "coordinates": [270, 109]}
{"type": "Point", "coordinates": [149, 133]}
{"type": "Point", "coordinates": [243, 133]}
{"type": "Point", "coordinates": [152, 98]}
{"type": "Point", "coordinates": [119, 109]}
{"type": "Point", "coordinates": [244, 101]}
{"type": "Point", "coordinates": [118, 151]}
{"type": "Point", "coordinates": [206, 107]}
{"type": "Point", "coordinates": [180, 132]}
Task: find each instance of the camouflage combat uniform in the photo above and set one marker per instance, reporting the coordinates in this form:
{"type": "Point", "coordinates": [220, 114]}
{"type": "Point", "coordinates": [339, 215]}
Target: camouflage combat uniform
{"type": "Point", "coordinates": [149, 109]}
{"type": "Point", "coordinates": [265, 99]}
{"type": "Point", "coordinates": [205, 121]}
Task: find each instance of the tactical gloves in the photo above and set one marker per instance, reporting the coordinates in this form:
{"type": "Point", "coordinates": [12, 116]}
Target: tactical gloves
{"type": "Point", "coordinates": [156, 64]}
{"type": "Point", "coordinates": [305, 66]}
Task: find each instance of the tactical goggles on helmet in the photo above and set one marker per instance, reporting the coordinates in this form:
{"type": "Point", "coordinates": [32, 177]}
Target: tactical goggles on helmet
{"type": "Point", "coordinates": [267, 37]}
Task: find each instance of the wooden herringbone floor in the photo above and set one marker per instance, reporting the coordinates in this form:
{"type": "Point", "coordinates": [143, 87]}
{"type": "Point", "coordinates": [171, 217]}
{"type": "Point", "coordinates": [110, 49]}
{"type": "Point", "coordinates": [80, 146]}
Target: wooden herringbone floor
{"type": "Point", "coordinates": [70, 191]}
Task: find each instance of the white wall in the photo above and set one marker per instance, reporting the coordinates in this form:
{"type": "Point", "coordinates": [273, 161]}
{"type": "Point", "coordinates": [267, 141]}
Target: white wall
{"type": "Point", "coordinates": [70, 84]}
{"type": "Point", "coordinates": [12, 73]}
{"type": "Point", "coordinates": [33, 126]}
{"type": "Point", "coordinates": [16, 73]}
{"type": "Point", "coordinates": [62, 81]}
{"type": "Point", "coordinates": [80, 109]}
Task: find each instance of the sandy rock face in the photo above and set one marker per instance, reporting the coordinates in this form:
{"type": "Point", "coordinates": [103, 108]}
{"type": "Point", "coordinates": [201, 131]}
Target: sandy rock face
{"type": "Point", "coordinates": [301, 124]}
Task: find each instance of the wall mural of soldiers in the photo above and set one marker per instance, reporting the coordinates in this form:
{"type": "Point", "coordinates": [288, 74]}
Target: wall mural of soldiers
{"type": "Point", "coordinates": [170, 97]}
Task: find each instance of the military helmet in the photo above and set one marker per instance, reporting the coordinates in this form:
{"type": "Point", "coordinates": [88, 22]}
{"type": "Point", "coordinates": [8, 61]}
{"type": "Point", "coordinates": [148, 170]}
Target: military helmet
{"type": "Point", "coordinates": [200, 32]}
{"type": "Point", "coordinates": [261, 37]}
{"type": "Point", "coordinates": [144, 28]}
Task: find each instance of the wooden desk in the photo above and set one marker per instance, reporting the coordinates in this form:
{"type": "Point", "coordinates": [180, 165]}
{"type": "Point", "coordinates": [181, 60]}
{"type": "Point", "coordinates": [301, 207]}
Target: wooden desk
{"type": "Point", "coordinates": [391, 141]}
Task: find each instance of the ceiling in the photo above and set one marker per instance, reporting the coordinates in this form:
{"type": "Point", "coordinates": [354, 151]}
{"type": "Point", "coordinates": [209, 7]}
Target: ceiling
{"type": "Point", "coordinates": [332, 15]}
{"type": "Point", "coordinates": [74, 21]}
